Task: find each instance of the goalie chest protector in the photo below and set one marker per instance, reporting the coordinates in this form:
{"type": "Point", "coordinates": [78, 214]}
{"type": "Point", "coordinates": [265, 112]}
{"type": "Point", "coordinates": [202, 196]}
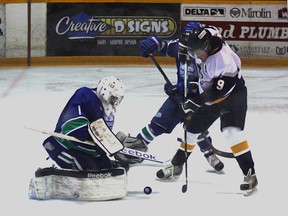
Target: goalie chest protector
{"type": "Point", "coordinates": [53, 183]}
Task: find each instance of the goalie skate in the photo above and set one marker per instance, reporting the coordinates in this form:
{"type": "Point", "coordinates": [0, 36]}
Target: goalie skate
{"type": "Point", "coordinates": [52, 183]}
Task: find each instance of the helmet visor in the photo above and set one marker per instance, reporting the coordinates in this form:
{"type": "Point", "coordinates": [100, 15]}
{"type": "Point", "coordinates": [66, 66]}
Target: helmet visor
{"type": "Point", "coordinates": [115, 100]}
{"type": "Point", "coordinates": [192, 50]}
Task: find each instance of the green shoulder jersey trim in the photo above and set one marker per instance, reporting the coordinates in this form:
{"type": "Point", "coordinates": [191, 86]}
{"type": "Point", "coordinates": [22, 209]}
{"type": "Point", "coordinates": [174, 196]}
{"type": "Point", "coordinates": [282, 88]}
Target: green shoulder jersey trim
{"type": "Point", "coordinates": [67, 144]}
{"type": "Point", "coordinates": [73, 124]}
{"type": "Point", "coordinates": [70, 126]}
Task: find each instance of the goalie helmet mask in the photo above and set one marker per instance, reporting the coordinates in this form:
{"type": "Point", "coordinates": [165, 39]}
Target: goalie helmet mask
{"type": "Point", "coordinates": [110, 91]}
{"type": "Point", "coordinates": [196, 39]}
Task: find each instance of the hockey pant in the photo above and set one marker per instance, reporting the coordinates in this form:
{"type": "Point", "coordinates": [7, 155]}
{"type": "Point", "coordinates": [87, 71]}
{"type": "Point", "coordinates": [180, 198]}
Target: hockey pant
{"type": "Point", "coordinates": [71, 159]}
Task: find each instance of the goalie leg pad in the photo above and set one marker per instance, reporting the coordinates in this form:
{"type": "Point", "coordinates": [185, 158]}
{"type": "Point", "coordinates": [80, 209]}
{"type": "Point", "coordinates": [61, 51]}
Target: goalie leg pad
{"type": "Point", "coordinates": [132, 143]}
{"type": "Point", "coordinates": [52, 183]}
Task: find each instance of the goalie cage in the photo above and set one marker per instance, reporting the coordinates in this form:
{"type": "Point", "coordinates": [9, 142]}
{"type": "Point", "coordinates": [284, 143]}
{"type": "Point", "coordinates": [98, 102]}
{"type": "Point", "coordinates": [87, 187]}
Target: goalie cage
{"type": "Point", "coordinates": [53, 183]}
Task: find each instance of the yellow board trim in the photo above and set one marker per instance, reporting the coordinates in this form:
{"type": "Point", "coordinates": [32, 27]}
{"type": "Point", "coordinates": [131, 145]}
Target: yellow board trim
{"type": "Point", "coordinates": [150, 1]}
{"type": "Point", "coordinates": [126, 61]}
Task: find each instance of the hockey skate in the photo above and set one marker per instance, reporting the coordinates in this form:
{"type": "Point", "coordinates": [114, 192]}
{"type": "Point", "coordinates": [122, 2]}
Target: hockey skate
{"type": "Point", "coordinates": [213, 160]}
{"type": "Point", "coordinates": [169, 172]}
{"type": "Point", "coordinates": [249, 186]}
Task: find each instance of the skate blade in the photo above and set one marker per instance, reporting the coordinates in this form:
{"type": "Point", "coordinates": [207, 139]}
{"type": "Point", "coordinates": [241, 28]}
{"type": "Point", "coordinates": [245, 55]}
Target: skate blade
{"type": "Point", "coordinates": [249, 192]}
{"type": "Point", "coordinates": [170, 179]}
{"type": "Point", "coordinates": [221, 172]}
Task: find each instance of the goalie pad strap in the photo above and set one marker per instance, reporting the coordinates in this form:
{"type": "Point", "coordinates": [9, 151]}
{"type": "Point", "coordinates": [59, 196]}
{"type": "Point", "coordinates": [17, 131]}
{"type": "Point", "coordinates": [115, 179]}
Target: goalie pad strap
{"type": "Point", "coordinates": [78, 174]}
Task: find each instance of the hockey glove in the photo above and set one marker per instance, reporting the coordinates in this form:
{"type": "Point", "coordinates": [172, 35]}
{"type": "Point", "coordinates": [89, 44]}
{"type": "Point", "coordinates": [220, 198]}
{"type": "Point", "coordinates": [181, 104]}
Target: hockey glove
{"type": "Point", "coordinates": [133, 143]}
{"type": "Point", "coordinates": [150, 45]}
{"type": "Point", "coordinates": [190, 106]}
{"type": "Point", "coordinates": [170, 90]}
{"type": "Point", "coordinates": [183, 53]}
{"type": "Point", "coordinates": [193, 88]}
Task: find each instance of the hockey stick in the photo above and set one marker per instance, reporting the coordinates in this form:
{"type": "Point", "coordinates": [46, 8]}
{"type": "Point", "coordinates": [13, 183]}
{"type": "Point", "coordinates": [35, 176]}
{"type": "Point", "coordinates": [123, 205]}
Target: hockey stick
{"type": "Point", "coordinates": [126, 151]}
{"type": "Point", "coordinates": [160, 69]}
{"type": "Point", "coordinates": [184, 187]}
{"type": "Point", "coordinates": [216, 151]}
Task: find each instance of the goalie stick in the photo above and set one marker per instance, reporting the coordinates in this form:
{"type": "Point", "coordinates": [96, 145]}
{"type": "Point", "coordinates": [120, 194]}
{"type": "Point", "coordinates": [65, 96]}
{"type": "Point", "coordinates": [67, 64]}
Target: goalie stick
{"type": "Point", "coordinates": [216, 151]}
{"type": "Point", "coordinates": [126, 151]}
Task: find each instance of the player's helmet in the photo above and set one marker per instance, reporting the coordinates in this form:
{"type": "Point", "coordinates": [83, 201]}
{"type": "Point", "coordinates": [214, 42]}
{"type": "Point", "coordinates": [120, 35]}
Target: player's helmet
{"type": "Point", "coordinates": [196, 39]}
{"type": "Point", "coordinates": [110, 91]}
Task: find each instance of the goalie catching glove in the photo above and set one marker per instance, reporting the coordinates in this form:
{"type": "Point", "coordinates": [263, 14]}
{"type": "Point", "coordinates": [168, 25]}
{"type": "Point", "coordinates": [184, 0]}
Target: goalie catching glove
{"type": "Point", "coordinates": [133, 143]}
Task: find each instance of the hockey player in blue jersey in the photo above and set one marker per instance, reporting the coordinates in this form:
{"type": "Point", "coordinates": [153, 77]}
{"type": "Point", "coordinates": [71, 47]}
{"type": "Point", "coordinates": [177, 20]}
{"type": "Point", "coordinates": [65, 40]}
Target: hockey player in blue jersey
{"type": "Point", "coordinates": [86, 106]}
{"type": "Point", "coordinates": [170, 113]}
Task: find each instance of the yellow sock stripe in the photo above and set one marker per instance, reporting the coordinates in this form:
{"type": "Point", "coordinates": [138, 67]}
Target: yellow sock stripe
{"type": "Point", "coordinates": [240, 148]}
{"type": "Point", "coordinates": [190, 147]}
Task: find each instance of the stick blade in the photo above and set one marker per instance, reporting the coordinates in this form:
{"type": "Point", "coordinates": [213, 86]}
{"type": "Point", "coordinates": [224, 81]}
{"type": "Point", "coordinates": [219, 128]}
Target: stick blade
{"type": "Point", "coordinates": [184, 188]}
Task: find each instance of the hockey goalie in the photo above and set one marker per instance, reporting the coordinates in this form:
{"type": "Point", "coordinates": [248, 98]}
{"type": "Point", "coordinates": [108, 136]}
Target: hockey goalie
{"type": "Point", "coordinates": [86, 170]}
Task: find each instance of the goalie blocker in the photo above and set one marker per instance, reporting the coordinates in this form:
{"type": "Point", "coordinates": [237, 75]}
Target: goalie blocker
{"type": "Point", "coordinates": [104, 137]}
{"type": "Point", "coordinates": [124, 148]}
{"type": "Point", "coordinates": [53, 183]}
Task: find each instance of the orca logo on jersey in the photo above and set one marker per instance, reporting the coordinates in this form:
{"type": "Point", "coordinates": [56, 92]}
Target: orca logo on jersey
{"type": "Point", "coordinates": [99, 175]}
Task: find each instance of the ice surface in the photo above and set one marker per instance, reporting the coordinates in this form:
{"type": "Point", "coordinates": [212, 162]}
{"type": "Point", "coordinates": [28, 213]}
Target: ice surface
{"type": "Point", "coordinates": [34, 97]}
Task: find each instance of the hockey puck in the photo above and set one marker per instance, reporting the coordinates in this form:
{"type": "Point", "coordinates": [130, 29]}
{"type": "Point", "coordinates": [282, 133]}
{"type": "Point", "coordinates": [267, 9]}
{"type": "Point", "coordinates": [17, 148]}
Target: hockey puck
{"type": "Point", "coordinates": [147, 190]}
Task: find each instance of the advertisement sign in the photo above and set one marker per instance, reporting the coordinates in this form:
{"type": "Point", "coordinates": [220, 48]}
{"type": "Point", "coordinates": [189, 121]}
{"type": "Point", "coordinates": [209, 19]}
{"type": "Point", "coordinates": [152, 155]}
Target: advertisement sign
{"type": "Point", "coordinates": [251, 30]}
{"type": "Point", "coordinates": [108, 29]}
{"type": "Point", "coordinates": [2, 30]}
